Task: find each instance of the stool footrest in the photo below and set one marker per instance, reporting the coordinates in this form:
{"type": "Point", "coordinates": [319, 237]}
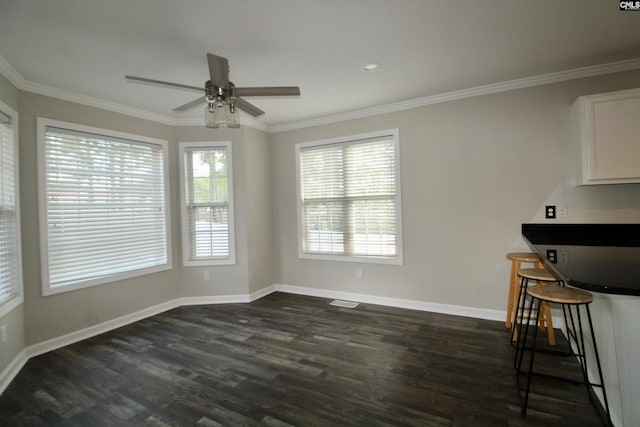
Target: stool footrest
{"type": "Point", "coordinates": [551, 351]}
{"type": "Point", "coordinates": [559, 378]}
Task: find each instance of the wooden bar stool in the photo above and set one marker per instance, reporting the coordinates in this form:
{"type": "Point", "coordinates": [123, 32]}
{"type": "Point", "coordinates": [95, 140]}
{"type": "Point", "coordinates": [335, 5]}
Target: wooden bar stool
{"type": "Point", "coordinates": [517, 258]}
{"type": "Point", "coordinates": [543, 277]}
{"type": "Point", "coordinates": [569, 298]}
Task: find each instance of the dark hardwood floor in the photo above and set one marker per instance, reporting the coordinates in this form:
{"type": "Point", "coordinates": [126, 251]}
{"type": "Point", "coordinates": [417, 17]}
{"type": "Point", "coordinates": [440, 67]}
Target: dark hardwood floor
{"type": "Point", "coordinates": [291, 360]}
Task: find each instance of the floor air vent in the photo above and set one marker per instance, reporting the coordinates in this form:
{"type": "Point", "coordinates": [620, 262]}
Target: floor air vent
{"type": "Point", "coordinates": [345, 304]}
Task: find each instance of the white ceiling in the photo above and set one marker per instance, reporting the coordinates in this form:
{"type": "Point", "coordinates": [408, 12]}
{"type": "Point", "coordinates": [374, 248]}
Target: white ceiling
{"type": "Point", "coordinates": [426, 47]}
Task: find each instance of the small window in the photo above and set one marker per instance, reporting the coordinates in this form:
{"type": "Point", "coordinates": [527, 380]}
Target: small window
{"type": "Point", "coordinates": [349, 199]}
{"type": "Point", "coordinates": [10, 263]}
{"type": "Point", "coordinates": [104, 205]}
{"type": "Point", "coordinates": [207, 203]}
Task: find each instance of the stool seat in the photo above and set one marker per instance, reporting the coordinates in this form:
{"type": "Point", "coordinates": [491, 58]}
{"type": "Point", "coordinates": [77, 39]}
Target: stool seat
{"type": "Point", "coordinates": [560, 294]}
{"type": "Point", "coordinates": [524, 257]}
{"type": "Point", "coordinates": [537, 274]}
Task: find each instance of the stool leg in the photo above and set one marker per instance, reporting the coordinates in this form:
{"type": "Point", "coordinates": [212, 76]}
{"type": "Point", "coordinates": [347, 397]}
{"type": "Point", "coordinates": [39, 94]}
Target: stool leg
{"type": "Point", "coordinates": [512, 304]}
{"type": "Point", "coordinates": [523, 411]}
{"type": "Point", "coordinates": [581, 350]}
{"type": "Point", "coordinates": [522, 340]}
{"type": "Point", "coordinates": [518, 308]}
{"type": "Point", "coordinates": [595, 350]}
{"type": "Point", "coordinates": [572, 331]}
{"type": "Point", "coordinates": [567, 325]}
{"type": "Point", "coordinates": [549, 323]}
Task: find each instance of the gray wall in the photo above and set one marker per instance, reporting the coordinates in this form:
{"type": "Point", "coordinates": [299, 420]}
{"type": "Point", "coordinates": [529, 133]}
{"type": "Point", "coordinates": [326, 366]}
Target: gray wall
{"type": "Point", "coordinates": [258, 202]}
{"type": "Point", "coordinates": [472, 172]}
{"type": "Point", "coordinates": [56, 315]}
{"type": "Point", "coordinates": [228, 279]}
{"type": "Point", "coordinates": [254, 235]}
{"type": "Point", "coordinates": [14, 320]}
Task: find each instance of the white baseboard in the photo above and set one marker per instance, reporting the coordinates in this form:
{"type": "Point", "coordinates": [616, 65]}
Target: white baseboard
{"type": "Point", "coordinates": [456, 310]}
{"type": "Point", "coordinates": [92, 331]}
{"type": "Point", "coordinates": [10, 372]}
{"type": "Point", "coordinates": [262, 292]}
{"type": "Point", "coordinates": [223, 299]}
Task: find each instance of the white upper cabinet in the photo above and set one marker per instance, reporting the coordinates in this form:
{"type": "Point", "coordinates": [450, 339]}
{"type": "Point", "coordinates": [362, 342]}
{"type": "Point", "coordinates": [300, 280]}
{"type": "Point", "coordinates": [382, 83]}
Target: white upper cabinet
{"type": "Point", "coordinates": [608, 126]}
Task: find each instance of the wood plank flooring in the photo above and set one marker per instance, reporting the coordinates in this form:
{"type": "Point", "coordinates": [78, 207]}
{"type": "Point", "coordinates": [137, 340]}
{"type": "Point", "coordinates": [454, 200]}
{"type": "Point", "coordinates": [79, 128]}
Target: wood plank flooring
{"type": "Point", "coordinates": [290, 360]}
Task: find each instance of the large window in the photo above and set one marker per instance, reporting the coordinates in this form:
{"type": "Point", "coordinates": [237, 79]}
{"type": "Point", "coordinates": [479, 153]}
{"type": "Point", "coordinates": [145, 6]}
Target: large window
{"type": "Point", "coordinates": [10, 264]}
{"type": "Point", "coordinates": [103, 205]}
{"type": "Point", "coordinates": [349, 198]}
{"type": "Point", "coordinates": [207, 203]}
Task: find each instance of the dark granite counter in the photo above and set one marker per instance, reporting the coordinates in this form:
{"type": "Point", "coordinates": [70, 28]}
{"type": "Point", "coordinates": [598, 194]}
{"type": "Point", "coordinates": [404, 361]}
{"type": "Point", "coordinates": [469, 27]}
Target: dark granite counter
{"type": "Point", "coordinates": [596, 257]}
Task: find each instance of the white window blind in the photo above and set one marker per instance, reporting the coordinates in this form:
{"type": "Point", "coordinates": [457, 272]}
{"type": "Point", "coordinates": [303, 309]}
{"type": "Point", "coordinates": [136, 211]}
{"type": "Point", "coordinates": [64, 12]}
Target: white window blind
{"type": "Point", "coordinates": [349, 193]}
{"type": "Point", "coordinates": [207, 204]}
{"type": "Point", "coordinates": [10, 269]}
{"type": "Point", "coordinates": [105, 207]}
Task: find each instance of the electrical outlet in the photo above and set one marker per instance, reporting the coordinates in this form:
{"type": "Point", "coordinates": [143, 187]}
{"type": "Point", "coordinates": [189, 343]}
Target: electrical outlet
{"type": "Point", "coordinates": [562, 212]}
{"type": "Point", "coordinates": [205, 276]}
{"type": "Point", "coordinates": [359, 273]}
{"type": "Point", "coordinates": [563, 257]}
{"type": "Point", "coordinates": [552, 256]}
{"type": "Point", "coordinates": [550, 212]}
{"type": "Point", "coordinates": [3, 333]}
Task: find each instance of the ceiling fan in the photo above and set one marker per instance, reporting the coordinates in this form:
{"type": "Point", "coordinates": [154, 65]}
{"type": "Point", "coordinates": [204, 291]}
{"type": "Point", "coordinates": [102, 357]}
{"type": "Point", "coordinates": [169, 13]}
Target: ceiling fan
{"type": "Point", "coordinates": [222, 96]}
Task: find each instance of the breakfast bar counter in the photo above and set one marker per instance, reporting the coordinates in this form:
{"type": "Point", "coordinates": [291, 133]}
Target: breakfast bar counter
{"type": "Point", "coordinates": [603, 259]}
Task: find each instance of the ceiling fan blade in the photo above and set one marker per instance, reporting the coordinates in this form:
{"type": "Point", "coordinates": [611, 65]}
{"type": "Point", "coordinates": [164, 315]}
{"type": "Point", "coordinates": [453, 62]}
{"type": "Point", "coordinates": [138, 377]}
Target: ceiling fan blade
{"type": "Point", "coordinates": [191, 104]}
{"type": "Point", "coordinates": [160, 82]}
{"type": "Point", "coordinates": [218, 70]}
{"type": "Point", "coordinates": [247, 107]}
{"type": "Point", "coordinates": [267, 91]}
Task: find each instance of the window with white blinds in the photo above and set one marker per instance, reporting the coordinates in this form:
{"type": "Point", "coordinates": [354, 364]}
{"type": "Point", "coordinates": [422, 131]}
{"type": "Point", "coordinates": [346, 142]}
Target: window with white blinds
{"type": "Point", "coordinates": [207, 203]}
{"type": "Point", "coordinates": [104, 201]}
{"type": "Point", "coordinates": [349, 198]}
{"type": "Point", "coordinates": [10, 264]}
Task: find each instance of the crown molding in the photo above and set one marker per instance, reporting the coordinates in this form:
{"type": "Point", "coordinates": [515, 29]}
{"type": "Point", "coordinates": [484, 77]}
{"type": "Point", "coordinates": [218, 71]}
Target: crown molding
{"type": "Point", "coordinates": [539, 80]}
{"type": "Point", "coordinates": [11, 74]}
{"type": "Point", "coordinates": [21, 83]}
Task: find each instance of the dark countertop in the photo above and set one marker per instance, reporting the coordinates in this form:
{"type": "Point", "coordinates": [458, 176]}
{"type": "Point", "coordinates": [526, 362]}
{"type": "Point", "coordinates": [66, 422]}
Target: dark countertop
{"type": "Point", "coordinates": [596, 257]}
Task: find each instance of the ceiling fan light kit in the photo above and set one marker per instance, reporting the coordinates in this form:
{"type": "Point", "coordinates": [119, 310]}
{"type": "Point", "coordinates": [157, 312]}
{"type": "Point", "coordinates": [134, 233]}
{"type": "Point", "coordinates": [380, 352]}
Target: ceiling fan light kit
{"type": "Point", "coordinates": [218, 114]}
{"type": "Point", "coordinates": [222, 98]}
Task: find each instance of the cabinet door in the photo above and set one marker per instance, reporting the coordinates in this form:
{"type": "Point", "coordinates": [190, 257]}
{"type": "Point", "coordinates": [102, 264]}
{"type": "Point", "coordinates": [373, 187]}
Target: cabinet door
{"type": "Point", "coordinates": [610, 137]}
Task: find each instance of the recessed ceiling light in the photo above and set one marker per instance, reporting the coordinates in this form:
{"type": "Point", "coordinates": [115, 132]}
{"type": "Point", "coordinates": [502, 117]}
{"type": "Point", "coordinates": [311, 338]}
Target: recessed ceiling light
{"type": "Point", "coordinates": [371, 67]}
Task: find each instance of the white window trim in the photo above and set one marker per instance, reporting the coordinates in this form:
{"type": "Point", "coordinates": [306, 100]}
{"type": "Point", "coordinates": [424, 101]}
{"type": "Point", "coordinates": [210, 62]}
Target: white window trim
{"type": "Point", "coordinates": [398, 259]}
{"type": "Point", "coordinates": [18, 299]}
{"type": "Point", "coordinates": [184, 217]}
{"type": "Point", "coordinates": [47, 289]}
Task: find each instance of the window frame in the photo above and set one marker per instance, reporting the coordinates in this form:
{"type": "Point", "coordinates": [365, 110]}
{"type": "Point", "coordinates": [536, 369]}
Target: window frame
{"type": "Point", "coordinates": [398, 259]}
{"type": "Point", "coordinates": [184, 215]}
{"type": "Point", "coordinates": [47, 289]}
{"type": "Point", "coordinates": [17, 298]}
